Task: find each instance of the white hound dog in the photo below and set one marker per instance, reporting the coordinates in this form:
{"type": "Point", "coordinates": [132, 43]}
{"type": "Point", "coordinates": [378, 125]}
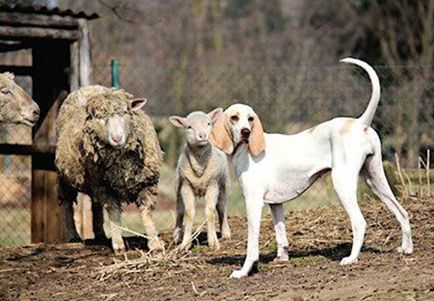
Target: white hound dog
{"type": "Point", "coordinates": [275, 168]}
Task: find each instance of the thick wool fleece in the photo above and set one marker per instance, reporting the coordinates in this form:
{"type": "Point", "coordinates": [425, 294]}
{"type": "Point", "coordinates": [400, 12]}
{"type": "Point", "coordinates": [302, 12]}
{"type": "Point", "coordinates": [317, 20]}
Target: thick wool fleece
{"type": "Point", "coordinates": [92, 166]}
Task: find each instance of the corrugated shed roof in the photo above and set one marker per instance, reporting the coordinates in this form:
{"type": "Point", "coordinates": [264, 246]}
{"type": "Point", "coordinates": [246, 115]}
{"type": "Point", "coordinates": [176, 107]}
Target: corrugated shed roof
{"type": "Point", "coordinates": [43, 10]}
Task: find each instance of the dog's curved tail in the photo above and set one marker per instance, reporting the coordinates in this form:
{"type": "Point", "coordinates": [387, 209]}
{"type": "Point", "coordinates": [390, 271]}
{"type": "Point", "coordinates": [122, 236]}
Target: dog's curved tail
{"type": "Point", "coordinates": [369, 113]}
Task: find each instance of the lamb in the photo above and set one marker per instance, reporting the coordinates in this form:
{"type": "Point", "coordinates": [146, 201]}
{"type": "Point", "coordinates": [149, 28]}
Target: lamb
{"type": "Point", "coordinates": [202, 171]}
{"type": "Point", "coordinates": [16, 106]}
{"type": "Point", "coordinates": [107, 148]}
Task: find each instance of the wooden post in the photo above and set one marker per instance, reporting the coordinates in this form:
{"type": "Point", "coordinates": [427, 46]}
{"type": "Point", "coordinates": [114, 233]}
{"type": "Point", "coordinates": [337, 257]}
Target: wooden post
{"type": "Point", "coordinates": [51, 61]}
{"type": "Point", "coordinates": [81, 59]}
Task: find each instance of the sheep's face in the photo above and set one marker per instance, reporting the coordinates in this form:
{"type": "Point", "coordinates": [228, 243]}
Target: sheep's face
{"type": "Point", "coordinates": [111, 120]}
{"type": "Point", "coordinates": [16, 106]}
{"type": "Point", "coordinates": [197, 126]}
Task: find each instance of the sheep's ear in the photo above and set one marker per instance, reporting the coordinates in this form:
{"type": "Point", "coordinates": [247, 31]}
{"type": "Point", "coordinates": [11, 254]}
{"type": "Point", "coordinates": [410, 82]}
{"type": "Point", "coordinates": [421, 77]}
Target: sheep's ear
{"type": "Point", "coordinates": [138, 103]}
{"type": "Point", "coordinates": [221, 136]}
{"type": "Point", "coordinates": [257, 139]}
{"type": "Point", "coordinates": [177, 121]}
{"type": "Point", "coordinates": [215, 114]}
{"type": "Point", "coordinates": [9, 75]}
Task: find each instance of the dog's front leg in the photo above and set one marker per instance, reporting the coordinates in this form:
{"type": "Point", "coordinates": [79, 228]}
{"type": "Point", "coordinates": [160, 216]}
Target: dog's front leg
{"type": "Point", "coordinates": [254, 204]}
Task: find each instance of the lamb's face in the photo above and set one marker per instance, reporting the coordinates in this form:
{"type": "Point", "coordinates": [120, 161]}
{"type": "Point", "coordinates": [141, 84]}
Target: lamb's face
{"type": "Point", "coordinates": [16, 106]}
{"type": "Point", "coordinates": [197, 126]}
{"type": "Point", "coordinates": [111, 120]}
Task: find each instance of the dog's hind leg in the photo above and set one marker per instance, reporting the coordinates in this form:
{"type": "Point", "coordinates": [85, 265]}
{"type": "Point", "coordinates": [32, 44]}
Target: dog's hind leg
{"type": "Point", "coordinates": [346, 188]}
{"type": "Point", "coordinates": [347, 161]}
{"type": "Point", "coordinates": [279, 226]}
{"type": "Point", "coordinates": [373, 174]}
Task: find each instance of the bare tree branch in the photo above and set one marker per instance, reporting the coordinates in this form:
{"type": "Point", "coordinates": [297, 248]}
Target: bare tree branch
{"type": "Point", "coordinates": [116, 10]}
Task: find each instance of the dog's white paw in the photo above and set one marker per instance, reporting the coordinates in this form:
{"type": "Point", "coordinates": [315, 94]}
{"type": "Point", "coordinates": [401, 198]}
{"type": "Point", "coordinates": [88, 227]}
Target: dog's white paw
{"type": "Point", "coordinates": [238, 274]}
{"type": "Point", "coordinates": [405, 250]}
{"type": "Point", "coordinates": [282, 257]}
{"type": "Point", "coordinates": [348, 260]}
{"type": "Point", "coordinates": [282, 254]}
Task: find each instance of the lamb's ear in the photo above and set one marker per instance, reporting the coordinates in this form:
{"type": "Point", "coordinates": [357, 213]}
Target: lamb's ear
{"type": "Point", "coordinates": [177, 121]}
{"type": "Point", "coordinates": [9, 75]}
{"type": "Point", "coordinates": [138, 103]}
{"type": "Point", "coordinates": [257, 139]}
{"type": "Point", "coordinates": [215, 114]}
{"type": "Point", "coordinates": [221, 136]}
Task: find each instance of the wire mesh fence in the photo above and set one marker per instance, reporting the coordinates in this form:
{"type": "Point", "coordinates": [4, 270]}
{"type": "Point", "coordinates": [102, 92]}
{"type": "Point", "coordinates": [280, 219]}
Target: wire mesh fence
{"type": "Point", "coordinates": [185, 56]}
{"type": "Point", "coordinates": [289, 99]}
{"type": "Point", "coordinates": [15, 183]}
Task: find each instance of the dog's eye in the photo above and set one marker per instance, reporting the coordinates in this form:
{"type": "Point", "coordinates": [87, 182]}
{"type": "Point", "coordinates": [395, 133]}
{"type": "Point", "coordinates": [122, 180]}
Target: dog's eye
{"type": "Point", "coordinates": [189, 127]}
{"type": "Point", "coordinates": [209, 123]}
{"type": "Point", "coordinates": [250, 119]}
{"type": "Point", "coordinates": [235, 118]}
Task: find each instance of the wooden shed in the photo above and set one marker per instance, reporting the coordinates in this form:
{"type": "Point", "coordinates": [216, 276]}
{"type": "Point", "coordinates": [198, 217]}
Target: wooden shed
{"type": "Point", "coordinates": [61, 62]}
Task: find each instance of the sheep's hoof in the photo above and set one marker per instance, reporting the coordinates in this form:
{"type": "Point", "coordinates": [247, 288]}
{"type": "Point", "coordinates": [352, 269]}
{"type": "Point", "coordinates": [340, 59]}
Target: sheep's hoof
{"type": "Point", "coordinates": [155, 245]}
{"type": "Point", "coordinates": [185, 247]}
{"type": "Point", "coordinates": [177, 236]}
{"type": "Point", "coordinates": [215, 245]}
{"type": "Point", "coordinates": [119, 251]}
{"type": "Point", "coordinates": [226, 235]}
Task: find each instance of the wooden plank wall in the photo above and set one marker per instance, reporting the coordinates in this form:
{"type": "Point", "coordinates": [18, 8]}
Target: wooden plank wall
{"type": "Point", "coordinates": [51, 60]}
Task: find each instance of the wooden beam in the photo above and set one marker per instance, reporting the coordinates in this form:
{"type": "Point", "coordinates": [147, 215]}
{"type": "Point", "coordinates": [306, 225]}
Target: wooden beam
{"type": "Point", "coordinates": [36, 20]}
{"type": "Point", "coordinates": [17, 70]}
{"type": "Point", "coordinates": [20, 149]}
{"type": "Point", "coordinates": [18, 33]}
{"type": "Point", "coordinates": [6, 47]}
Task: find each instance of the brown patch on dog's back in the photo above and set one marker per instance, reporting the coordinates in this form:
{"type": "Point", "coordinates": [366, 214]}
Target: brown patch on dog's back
{"type": "Point", "coordinates": [347, 126]}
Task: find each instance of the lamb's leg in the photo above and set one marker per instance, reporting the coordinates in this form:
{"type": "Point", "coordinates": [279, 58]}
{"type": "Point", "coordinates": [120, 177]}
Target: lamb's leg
{"type": "Point", "coordinates": [114, 214]}
{"type": "Point", "coordinates": [178, 233]}
{"type": "Point", "coordinates": [211, 197]}
{"type": "Point", "coordinates": [68, 196]}
{"type": "Point", "coordinates": [98, 222]}
{"type": "Point", "coordinates": [187, 196]}
{"type": "Point", "coordinates": [151, 232]}
{"type": "Point", "coordinates": [222, 210]}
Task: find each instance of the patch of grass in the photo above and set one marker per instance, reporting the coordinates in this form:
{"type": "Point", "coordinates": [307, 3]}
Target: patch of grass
{"type": "Point", "coordinates": [305, 260]}
{"type": "Point", "coordinates": [271, 247]}
{"type": "Point", "coordinates": [197, 249]}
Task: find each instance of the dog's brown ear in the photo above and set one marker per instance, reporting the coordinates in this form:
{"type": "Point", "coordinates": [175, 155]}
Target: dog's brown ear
{"type": "Point", "coordinates": [257, 139]}
{"type": "Point", "coordinates": [220, 135]}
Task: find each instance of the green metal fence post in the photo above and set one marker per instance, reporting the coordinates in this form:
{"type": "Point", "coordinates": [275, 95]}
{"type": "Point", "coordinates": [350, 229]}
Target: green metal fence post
{"type": "Point", "coordinates": [115, 74]}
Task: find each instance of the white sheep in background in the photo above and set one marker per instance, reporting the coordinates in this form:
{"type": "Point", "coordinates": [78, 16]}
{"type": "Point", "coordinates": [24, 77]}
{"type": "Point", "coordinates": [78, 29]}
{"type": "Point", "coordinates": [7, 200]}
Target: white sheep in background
{"type": "Point", "coordinates": [16, 106]}
{"type": "Point", "coordinates": [107, 148]}
{"type": "Point", "coordinates": [202, 171]}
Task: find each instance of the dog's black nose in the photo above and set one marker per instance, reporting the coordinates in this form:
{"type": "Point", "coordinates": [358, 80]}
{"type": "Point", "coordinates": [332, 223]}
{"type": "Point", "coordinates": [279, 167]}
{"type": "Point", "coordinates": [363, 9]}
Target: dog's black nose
{"type": "Point", "coordinates": [245, 133]}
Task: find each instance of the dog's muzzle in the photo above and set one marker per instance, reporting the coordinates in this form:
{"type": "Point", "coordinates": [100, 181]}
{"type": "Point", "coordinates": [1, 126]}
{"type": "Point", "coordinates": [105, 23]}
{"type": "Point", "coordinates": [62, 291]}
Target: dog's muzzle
{"type": "Point", "coordinates": [245, 134]}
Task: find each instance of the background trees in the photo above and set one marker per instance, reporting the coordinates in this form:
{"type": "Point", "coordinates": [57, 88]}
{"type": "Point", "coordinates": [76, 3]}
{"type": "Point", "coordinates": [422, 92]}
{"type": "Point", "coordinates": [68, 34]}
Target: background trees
{"type": "Point", "coordinates": [280, 56]}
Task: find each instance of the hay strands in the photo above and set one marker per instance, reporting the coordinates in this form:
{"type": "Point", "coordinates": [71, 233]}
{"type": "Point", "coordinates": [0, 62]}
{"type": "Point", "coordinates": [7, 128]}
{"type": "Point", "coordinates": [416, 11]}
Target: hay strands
{"type": "Point", "coordinates": [170, 256]}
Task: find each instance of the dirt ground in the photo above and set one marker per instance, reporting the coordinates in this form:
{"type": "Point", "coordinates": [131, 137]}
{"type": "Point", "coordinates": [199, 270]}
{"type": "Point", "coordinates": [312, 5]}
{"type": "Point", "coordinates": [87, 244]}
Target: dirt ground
{"type": "Point", "coordinates": [319, 238]}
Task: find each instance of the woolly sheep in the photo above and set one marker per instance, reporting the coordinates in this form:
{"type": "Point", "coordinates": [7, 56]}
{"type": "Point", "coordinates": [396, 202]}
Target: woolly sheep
{"type": "Point", "coordinates": [202, 171]}
{"type": "Point", "coordinates": [107, 148]}
{"type": "Point", "coordinates": [16, 106]}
